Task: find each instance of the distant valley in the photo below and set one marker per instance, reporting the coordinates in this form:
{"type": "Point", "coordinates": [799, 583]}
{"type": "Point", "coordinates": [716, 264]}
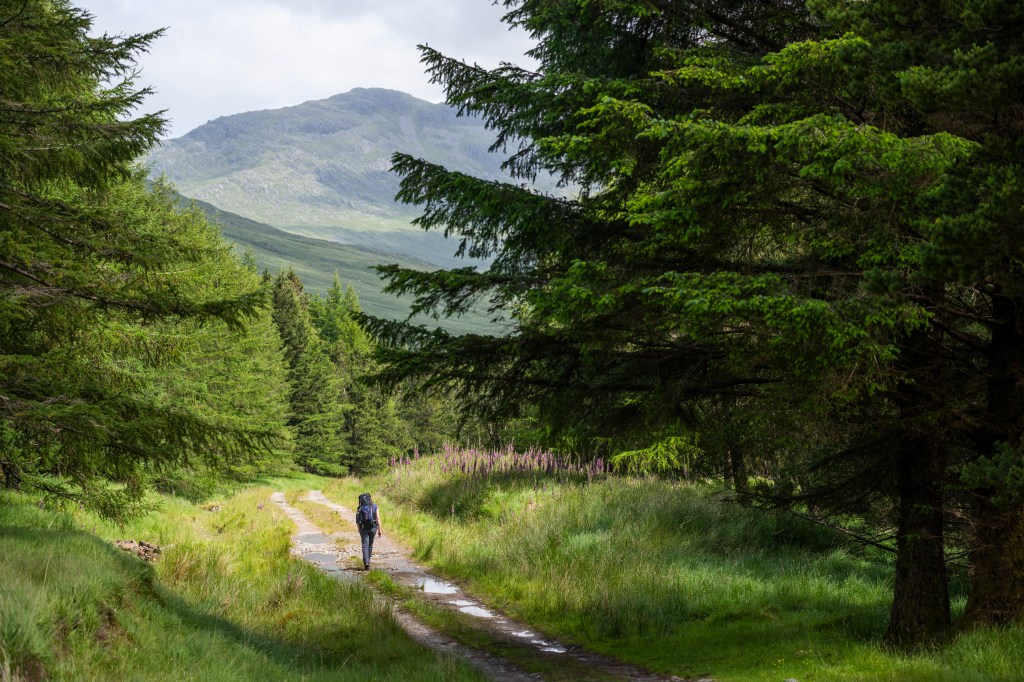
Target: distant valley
{"type": "Point", "coordinates": [316, 261]}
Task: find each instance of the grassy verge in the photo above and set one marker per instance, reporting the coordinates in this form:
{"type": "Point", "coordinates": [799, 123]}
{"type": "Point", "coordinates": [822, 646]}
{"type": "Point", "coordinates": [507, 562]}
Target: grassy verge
{"type": "Point", "coordinates": [669, 576]}
{"type": "Point", "coordinates": [225, 601]}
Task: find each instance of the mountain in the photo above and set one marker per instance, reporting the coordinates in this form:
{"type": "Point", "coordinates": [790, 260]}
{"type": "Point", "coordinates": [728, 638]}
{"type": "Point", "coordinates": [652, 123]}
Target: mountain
{"type": "Point", "coordinates": [320, 169]}
{"type": "Point", "coordinates": [316, 261]}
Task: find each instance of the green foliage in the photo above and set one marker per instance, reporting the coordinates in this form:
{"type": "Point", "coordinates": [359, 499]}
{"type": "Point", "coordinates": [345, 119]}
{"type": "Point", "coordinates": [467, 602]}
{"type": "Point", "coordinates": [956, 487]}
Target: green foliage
{"type": "Point", "coordinates": [342, 422]}
{"type": "Point", "coordinates": [107, 292]}
{"type": "Point", "coordinates": [1000, 474]}
{"type": "Point", "coordinates": [783, 207]}
{"type": "Point", "coordinates": [953, 73]}
{"type": "Point", "coordinates": [314, 391]}
{"type": "Point", "coordinates": [686, 268]}
{"type": "Point", "coordinates": [379, 425]}
{"type": "Point", "coordinates": [670, 455]}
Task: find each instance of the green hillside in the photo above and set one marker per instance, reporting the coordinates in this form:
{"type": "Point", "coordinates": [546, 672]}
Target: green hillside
{"type": "Point", "coordinates": [316, 261]}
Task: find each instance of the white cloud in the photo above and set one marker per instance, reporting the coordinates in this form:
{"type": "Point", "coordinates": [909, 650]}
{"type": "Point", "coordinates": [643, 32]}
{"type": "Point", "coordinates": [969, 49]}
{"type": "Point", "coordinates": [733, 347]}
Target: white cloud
{"type": "Point", "coordinates": [224, 57]}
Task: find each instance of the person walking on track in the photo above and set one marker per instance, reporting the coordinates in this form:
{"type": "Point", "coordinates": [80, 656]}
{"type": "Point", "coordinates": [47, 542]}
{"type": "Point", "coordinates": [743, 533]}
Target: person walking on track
{"type": "Point", "coordinates": [368, 520]}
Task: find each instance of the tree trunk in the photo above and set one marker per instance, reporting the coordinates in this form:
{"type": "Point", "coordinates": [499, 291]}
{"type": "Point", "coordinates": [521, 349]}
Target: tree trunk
{"type": "Point", "coordinates": [997, 566]}
{"type": "Point", "coordinates": [736, 468]}
{"type": "Point", "coordinates": [920, 603]}
{"type": "Point", "coordinates": [12, 481]}
{"type": "Point", "coordinates": [920, 606]}
{"type": "Point", "coordinates": [997, 553]}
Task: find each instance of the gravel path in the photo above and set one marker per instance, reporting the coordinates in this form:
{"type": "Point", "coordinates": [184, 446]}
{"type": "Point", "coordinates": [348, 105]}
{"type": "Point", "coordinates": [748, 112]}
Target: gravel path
{"type": "Point", "coordinates": [342, 552]}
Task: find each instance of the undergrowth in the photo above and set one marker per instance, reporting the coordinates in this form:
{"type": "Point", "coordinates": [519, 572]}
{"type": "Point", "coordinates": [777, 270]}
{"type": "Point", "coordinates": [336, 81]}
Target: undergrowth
{"type": "Point", "coordinates": [670, 576]}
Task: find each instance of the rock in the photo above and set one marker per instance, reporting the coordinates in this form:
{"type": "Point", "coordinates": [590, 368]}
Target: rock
{"type": "Point", "coordinates": [142, 549]}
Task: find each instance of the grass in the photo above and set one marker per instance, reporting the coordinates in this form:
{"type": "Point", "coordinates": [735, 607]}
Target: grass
{"type": "Point", "coordinates": [224, 602]}
{"type": "Point", "coordinates": [668, 576]}
{"type": "Point", "coordinates": [663, 575]}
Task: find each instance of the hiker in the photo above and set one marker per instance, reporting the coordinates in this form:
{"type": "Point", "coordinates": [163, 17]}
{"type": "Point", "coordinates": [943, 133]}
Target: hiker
{"type": "Point", "coordinates": [368, 520]}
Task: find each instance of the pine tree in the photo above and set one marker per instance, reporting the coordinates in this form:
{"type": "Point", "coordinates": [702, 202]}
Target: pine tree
{"type": "Point", "coordinates": [235, 378]}
{"type": "Point", "coordinates": [773, 208]}
{"type": "Point", "coordinates": [957, 69]}
{"type": "Point", "coordinates": [549, 268]}
{"type": "Point", "coordinates": [93, 266]}
{"type": "Point", "coordinates": [373, 431]}
{"type": "Point", "coordinates": [314, 389]}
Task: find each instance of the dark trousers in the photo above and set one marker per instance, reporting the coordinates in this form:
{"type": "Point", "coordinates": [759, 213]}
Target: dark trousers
{"type": "Point", "coordinates": [367, 537]}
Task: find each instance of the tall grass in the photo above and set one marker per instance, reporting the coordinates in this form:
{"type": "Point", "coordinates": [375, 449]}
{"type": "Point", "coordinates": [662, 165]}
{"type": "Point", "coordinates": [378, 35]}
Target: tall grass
{"type": "Point", "coordinates": [671, 576]}
{"type": "Point", "coordinates": [224, 602]}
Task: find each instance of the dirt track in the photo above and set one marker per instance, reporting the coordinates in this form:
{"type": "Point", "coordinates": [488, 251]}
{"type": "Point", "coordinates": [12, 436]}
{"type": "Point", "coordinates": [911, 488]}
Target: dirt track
{"type": "Point", "coordinates": [339, 554]}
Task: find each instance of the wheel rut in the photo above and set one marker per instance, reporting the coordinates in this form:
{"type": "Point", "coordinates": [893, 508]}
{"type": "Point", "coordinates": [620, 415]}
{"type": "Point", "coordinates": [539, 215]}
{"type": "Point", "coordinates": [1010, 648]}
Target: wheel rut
{"type": "Point", "coordinates": [339, 554]}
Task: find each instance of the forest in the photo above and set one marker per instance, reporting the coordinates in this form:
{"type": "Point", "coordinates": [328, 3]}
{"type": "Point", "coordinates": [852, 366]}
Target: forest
{"type": "Point", "coordinates": [759, 361]}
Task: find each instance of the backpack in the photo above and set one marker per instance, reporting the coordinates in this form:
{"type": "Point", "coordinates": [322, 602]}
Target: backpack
{"type": "Point", "coordinates": [365, 516]}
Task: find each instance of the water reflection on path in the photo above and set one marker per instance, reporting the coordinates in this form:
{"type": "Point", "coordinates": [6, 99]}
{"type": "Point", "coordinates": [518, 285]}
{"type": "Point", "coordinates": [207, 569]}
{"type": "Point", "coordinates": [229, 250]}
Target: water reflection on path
{"type": "Point", "coordinates": [311, 545]}
{"type": "Point", "coordinates": [432, 586]}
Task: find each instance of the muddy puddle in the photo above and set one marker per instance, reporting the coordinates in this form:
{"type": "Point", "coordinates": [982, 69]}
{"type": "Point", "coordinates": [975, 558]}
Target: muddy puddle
{"type": "Point", "coordinates": [471, 608]}
{"type": "Point", "coordinates": [434, 586]}
{"type": "Point", "coordinates": [309, 544]}
{"type": "Point", "coordinates": [322, 558]}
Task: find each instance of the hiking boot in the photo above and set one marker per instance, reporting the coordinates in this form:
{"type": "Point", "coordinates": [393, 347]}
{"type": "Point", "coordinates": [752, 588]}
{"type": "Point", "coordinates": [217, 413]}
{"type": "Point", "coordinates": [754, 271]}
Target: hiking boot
{"type": "Point", "coordinates": [366, 567]}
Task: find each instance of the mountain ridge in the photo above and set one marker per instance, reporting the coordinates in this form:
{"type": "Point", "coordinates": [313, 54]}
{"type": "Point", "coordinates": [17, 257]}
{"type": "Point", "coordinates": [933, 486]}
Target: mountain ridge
{"type": "Point", "coordinates": [321, 168]}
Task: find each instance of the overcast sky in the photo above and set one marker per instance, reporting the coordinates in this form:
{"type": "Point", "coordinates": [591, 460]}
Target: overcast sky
{"type": "Point", "coordinates": [221, 57]}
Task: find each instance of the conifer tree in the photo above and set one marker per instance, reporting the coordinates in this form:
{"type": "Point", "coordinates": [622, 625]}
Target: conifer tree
{"type": "Point", "coordinates": [372, 430]}
{"type": "Point", "coordinates": [91, 262]}
{"type": "Point", "coordinates": [548, 269]}
{"type": "Point", "coordinates": [957, 69]}
{"type": "Point", "coordinates": [235, 377]}
{"type": "Point", "coordinates": [771, 208]}
{"type": "Point", "coordinates": [314, 389]}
